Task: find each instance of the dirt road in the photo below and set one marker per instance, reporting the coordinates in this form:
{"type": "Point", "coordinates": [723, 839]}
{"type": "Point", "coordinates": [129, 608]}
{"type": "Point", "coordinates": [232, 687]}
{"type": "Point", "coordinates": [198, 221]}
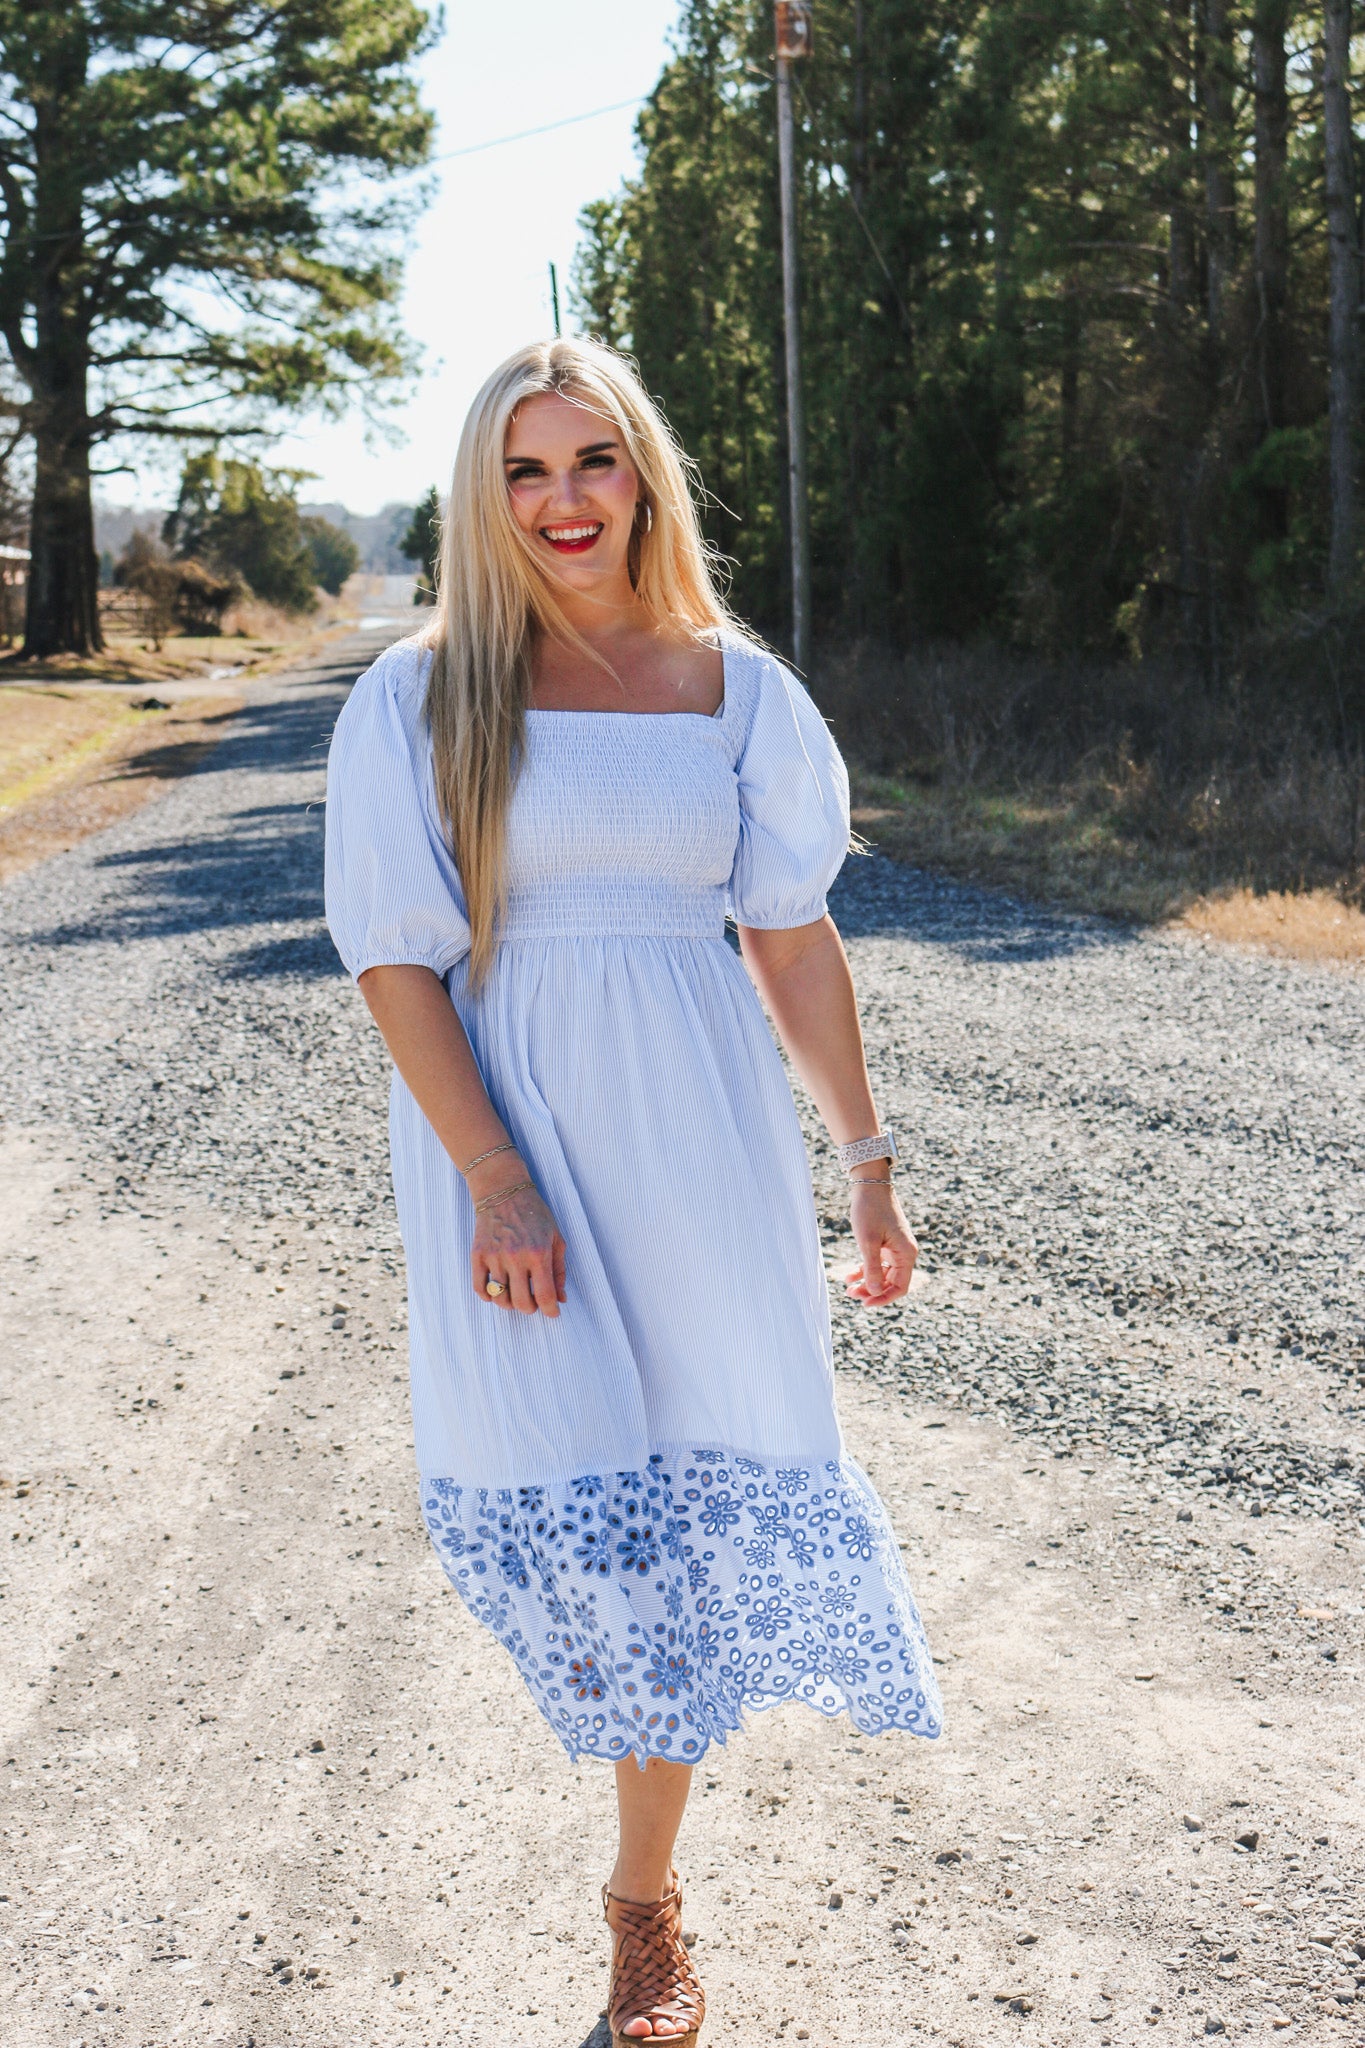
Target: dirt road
{"type": "Point", "coordinates": [266, 1783]}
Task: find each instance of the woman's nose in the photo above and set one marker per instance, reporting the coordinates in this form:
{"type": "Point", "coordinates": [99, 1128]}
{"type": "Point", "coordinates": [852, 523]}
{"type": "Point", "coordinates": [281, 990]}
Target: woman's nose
{"type": "Point", "coordinates": [566, 490]}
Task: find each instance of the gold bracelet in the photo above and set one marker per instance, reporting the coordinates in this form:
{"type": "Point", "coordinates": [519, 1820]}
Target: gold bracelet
{"type": "Point", "coordinates": [491, 1201]}
{"type": "Point", "coordinates": [491, 1153]}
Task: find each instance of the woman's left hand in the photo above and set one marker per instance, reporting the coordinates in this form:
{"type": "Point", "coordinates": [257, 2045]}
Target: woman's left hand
{"type": "Point", "coordinates": [885, 1242]}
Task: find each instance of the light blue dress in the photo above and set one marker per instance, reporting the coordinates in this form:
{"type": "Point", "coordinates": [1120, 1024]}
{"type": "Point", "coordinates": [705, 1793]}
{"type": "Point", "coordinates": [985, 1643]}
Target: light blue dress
{"type": "Point", "coordinates": [648, 1499]}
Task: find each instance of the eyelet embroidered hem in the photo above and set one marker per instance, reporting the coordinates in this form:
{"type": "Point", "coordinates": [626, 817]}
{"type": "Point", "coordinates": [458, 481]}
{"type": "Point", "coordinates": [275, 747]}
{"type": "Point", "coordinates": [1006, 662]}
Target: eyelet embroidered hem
{"type": "Point", "coordinates": [647, 1611]}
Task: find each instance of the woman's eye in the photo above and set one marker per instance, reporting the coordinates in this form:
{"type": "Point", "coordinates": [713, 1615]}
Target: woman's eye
{"type": "Point", "coordinates": [599, 462]}
{"type": "Point", "coordinates": [520, 476]}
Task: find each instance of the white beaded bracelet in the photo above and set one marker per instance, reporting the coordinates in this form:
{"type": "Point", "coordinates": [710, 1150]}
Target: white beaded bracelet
{"type": "Point", "coordinates": [860, 1150]}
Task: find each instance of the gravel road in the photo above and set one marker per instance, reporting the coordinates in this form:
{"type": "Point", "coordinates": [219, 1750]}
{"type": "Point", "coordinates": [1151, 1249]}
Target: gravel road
{"type": "Point", "coordinates": [267, 1783]}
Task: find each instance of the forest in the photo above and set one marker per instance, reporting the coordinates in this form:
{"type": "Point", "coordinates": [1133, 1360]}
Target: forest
{"type": "Point", "coordinates": [1081, 301]}
{"type": "Point", "coordinates": [1081, 292]}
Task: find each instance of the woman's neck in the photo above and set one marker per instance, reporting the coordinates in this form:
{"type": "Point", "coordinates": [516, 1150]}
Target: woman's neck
{"type": "Point", "coordinates": [604, 620]}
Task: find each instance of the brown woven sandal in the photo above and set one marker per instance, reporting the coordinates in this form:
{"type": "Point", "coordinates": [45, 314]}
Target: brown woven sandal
{"type": "Point", "coordinates": [652, 1976]}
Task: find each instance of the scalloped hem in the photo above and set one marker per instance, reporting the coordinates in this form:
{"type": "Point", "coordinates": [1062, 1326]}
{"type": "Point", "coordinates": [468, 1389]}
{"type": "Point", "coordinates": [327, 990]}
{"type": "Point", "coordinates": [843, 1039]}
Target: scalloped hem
{"type": "Point", "coordinates": [649, 1611]}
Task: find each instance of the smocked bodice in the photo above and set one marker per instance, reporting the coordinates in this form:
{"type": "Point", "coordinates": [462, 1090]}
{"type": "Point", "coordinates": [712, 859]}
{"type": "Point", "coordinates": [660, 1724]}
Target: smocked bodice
{"type": "Point", "coordinates": [621, 825]}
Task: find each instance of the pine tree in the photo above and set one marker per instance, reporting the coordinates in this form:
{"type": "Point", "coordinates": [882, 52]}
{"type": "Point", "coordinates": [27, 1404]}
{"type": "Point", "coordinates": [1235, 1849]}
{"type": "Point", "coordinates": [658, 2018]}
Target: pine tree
{"type": "Point", "coordinates": [193, 237]}
{"type": "Point", "coordinates": [1065, 322]}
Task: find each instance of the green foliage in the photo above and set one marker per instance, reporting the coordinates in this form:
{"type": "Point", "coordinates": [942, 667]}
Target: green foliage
{"type": "Point", "coordinates": [421, 542]}
{"type": "Point", "coordinates": [201, 171]}
{"type": "Point", "coordinates": [244, 520]}
{"type": "Point", "coordinates": [1040, 361]}
{"type": "Point", "coordinates": [196, 231]}
{"type": "Point", "coordinates": [335, 555]}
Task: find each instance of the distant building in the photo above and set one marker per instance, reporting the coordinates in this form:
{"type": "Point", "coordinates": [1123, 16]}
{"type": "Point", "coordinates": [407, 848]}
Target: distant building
{"type": "Point", "coordinates": [13, 582]}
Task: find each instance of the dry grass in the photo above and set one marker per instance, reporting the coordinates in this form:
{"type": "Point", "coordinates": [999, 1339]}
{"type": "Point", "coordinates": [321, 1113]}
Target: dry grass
{"type": "Point", "coordinates": [1134, 792]}
{"type": "Point", "coordinates": [1081, 845]}
{"type": "Point", "coordinates": [73, 761]}
{"type": "Point", "coordinates": [1313, 926]}
{"type": "Point", "coordinates": [257, 637]}
{"type": "Point", "coordinates": [85, 740]}
{"type": "Point", "coordinates": [1039, 842]}
{"type": "Point", "coordinates": [46, 734]}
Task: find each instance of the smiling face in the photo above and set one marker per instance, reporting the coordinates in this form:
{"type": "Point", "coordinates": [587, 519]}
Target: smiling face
{"type": "Point", "coordinates": [574, 491]}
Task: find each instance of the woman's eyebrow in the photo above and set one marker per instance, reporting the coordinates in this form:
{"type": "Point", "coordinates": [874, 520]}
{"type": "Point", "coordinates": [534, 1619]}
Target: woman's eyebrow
{"type": "Point", "coordinates": [593, 448]}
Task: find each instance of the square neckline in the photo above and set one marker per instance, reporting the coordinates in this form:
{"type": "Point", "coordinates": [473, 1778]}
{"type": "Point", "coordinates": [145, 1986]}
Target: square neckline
{"type": "Point", "coordinates": [715, 717]}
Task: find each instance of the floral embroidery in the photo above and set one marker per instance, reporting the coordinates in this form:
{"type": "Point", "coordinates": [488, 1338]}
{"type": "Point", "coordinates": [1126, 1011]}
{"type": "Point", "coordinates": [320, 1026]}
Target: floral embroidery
{"type": "Point", "coordinates": [857, 1537]}
{"type": "Point", "coordinates": [719, 1512]}
{"type": "Point", "coordinates": [594, 1552]}
{"type": "Point", "coordinates": [705, 1584]}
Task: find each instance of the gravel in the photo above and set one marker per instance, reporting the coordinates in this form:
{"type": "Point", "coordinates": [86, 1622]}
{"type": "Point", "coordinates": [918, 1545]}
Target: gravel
{"type": "Point", "coordinates": [1140, 1163]}
{"type": "Point", "coordinates": [1127, 1155]}
{"type": "Point", "coordinates": [1135, 1162]}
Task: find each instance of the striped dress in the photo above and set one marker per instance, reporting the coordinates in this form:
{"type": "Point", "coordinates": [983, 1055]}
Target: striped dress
{"type": "Point", "coordinates": [648, 1499]}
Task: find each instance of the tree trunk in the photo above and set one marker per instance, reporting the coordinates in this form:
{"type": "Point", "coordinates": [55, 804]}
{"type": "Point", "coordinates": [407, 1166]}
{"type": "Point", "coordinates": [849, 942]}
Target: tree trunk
{"type": "Point", "coordinates": [855, 559]}
{"type": "Point", "coordinates": [1071, 375]}
{"type": "Point", "coordinates": [858, 153]}
{"type": "Point", "coordinates": [1217, 147]}
{"type": "Point", "coordinates": [1182, 273]}
{"type": "Point", "coordinates": [1269, 27]}
{"type": "Point", "coordinates": [63, 607]}
{"type": "Point", "coordinates": [1343, 258]}
{"type": "Point", "coordinates": [1184, 396]}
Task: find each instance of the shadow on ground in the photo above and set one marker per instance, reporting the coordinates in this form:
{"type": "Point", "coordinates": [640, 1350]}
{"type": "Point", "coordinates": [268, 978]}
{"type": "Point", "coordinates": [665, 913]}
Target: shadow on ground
{"type": "Point", "coordinates": [877, 898]}
{"type": "Point", "coordinates": [259, 866]}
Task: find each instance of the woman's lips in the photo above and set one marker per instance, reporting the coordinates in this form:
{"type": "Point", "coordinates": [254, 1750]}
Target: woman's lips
{"type": "Point", "coordinates": [572, 540]}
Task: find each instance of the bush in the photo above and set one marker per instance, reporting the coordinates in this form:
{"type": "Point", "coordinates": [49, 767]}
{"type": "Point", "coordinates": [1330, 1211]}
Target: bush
{"type": "Point", "coordinates": [241, 519]}
{"type": "Point", "coordinates": [179, 596]}
{"type": "Point", "coordinates": [335, 555]}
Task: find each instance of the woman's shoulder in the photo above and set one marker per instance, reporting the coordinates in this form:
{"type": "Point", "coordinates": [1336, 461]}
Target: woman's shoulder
{"type": "Point", "coordinates": [756, 680]}
{"type": "Point", "coordinates": [385, 707]}
{"type": "Point", "coordinates": [400, 672]}
{"type": "Point", "coordinates": [390, 693]}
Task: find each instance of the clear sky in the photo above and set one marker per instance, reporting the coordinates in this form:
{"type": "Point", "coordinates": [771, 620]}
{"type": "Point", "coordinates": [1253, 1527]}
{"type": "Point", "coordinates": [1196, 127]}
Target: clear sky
{"type": "Point", "coordinates": [478, 276]}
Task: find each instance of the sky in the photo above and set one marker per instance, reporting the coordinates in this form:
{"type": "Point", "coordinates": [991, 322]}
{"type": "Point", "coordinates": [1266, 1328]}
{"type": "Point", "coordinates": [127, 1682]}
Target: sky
{"type": "Point", "coordinates": [478, 280]}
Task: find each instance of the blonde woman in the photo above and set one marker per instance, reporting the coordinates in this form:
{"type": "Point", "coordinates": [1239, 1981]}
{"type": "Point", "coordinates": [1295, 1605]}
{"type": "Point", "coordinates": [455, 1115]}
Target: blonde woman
{"type": "Point", "coordinates": [538, 814]}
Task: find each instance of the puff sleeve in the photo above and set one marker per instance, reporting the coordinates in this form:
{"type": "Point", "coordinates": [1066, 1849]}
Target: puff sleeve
{"type": "Point", "coordinates": [793, 799]}
{"type": "Point", "coordinates": [393, 891]}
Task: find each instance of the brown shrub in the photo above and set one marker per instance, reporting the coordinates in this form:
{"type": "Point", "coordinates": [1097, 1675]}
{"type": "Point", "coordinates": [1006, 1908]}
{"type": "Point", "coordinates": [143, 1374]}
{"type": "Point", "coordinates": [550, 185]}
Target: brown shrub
{"type": "Point", "coordinates": [1261, 780]}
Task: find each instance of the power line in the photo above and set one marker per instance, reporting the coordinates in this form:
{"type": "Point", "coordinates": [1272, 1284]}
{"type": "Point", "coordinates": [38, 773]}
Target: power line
{"type": "Point", "coordinates": [525, 134]}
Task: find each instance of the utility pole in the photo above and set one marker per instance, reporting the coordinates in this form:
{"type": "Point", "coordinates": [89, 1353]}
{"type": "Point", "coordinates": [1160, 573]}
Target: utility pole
{"type": "Point", "coordinates": [792, 22]}
{"type": "Point", "coordinates": [554, 297]}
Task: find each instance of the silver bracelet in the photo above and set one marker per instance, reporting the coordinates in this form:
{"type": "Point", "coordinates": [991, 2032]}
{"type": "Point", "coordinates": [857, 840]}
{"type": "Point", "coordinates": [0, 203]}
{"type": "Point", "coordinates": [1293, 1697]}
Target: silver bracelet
{"type": "Point", "coordinates": [860, 1150]}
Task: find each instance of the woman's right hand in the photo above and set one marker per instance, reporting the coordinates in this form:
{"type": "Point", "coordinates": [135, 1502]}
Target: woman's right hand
{"type": "Point", "coordinates": [518, 1243]}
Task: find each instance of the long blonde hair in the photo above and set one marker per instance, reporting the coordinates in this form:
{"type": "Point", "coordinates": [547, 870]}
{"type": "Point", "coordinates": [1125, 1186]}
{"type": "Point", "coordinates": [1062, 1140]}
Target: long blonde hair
{"type": "Point", "coordinates": [493, 597]}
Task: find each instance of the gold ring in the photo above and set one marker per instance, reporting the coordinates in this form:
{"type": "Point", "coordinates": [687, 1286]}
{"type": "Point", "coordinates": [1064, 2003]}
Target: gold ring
{"type": "Point", "coordinates": [492, 1286]}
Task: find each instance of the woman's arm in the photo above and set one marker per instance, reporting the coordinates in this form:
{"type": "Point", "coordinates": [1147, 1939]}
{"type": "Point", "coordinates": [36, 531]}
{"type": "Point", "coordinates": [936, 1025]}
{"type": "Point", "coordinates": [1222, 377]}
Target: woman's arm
{"type": "Point", "coordinates": [516, 1242]}
{"type": "Point", "coordinates": [803, 978]}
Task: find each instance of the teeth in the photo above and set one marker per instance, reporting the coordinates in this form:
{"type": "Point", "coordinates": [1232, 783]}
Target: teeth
{"type": "Point", "coordinates": [571, 532]}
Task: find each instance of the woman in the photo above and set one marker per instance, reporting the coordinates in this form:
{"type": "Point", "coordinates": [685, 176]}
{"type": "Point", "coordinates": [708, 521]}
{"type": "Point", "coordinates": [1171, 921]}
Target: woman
{"type": "Point", "coordinates": [538, 811]}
